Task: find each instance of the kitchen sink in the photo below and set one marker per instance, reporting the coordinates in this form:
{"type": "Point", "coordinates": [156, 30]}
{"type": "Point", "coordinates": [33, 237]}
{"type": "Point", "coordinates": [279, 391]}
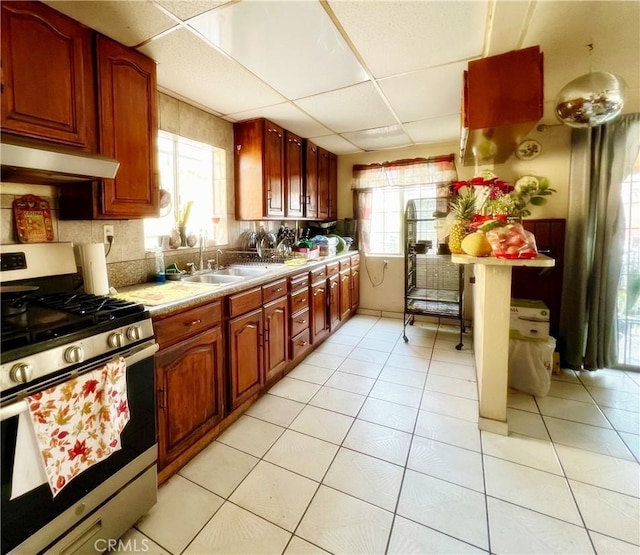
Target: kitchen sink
{"type": "Point", "coordinates": [213, 278]}
{"type": "Point", "coordinates": [244, 271]}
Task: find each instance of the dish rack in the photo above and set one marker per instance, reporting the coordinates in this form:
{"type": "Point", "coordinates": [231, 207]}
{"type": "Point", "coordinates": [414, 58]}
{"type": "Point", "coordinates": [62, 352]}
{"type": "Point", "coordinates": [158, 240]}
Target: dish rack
{"type": "Point", "coordinates": [266, 256]}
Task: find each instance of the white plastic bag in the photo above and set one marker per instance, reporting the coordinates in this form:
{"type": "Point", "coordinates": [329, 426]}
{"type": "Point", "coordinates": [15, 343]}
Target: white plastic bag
{"type": "Point", "coordinates": [530, 365]}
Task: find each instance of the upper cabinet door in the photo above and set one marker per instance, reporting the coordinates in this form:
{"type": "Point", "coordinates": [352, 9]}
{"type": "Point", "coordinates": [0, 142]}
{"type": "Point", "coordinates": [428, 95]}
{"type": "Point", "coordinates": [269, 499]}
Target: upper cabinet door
{"type": "Point", "coordinates": [294, 193]}
{"type": "Point", "coordinates": [333, 186]}
{"type": "Point", "coordinates": [273, 170]}
{"type": "Point", "coordinates": [311, 180]}
{"type": "Point", "coordinates": [47, 76]}
{"type": "Point", "coordinates": [323, 184]}
{"type": "Point", "coordinates": [128, 128]}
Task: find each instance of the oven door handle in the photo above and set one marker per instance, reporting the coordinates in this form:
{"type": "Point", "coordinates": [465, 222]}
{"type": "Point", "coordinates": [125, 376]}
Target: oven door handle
{"type": "Point", "coordinates": [14, 409]}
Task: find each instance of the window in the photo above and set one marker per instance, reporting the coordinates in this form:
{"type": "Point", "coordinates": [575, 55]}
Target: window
{"type": "Point", "coordinates": [381, 193]}
{"type": "Point", "coordinates": [194, 174]}
{"type": "Point", "coordinates": [629, 287]}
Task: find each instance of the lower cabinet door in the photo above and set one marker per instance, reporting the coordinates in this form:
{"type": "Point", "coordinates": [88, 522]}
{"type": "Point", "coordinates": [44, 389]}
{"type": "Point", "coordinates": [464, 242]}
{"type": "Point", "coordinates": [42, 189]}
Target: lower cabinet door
{"type": "Point", "coordinates": [319, 328]}
{"type": "Point", "coordinates": [345, 294]}
{"type": "Point", "coordinates": [245, 357]}
{"type": "Point", "coordinates": [276, 351]}
{"type": "Point", "coordinates": [333, 284]}
{"type": "Point", "coordinates": [190, 392]}
{"type": "Point", "coordinates": [355, 287]}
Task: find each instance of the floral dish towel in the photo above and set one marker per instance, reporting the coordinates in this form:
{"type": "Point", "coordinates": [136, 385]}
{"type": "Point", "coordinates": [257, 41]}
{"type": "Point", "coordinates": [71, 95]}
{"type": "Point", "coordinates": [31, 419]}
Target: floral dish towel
{"type": "Point", "coordinates": [78, 423]}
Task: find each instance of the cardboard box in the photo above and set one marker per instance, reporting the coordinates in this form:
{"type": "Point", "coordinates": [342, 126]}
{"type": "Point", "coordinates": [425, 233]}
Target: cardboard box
{"type": "Point", "coordinates": [529, 320]}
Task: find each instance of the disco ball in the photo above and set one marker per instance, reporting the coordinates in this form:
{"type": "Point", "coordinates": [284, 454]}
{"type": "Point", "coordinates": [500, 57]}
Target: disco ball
{"type": "Point", "coordinates": [590, 100]}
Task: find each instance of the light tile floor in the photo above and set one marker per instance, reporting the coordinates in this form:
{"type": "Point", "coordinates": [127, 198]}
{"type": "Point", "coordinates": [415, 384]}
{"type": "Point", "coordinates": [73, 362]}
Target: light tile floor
{"type": "Point", "coordinates": [371, 446]}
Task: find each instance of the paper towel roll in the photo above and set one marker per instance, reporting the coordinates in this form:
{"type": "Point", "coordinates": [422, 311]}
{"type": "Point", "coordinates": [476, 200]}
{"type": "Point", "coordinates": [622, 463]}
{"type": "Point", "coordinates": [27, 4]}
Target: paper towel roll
{"type": "Point", "coordinates": [94, 268]}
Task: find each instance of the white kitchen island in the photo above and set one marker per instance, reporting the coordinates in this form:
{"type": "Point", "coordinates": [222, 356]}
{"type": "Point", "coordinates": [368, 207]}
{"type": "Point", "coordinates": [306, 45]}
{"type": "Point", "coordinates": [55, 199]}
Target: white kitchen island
{"type": "Point", "coordinates": [491, 313]}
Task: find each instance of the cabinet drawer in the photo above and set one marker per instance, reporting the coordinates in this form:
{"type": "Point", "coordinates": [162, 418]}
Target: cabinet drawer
{"type": "Point", "coordinates": [299, 300]}
{"type": "Point", "coordinates": [296, 282]}
{"type": "Point", "coordinates": [333, 269]}
{"type": "Point", "coordinates": [299, 322]}
{"type": "Point", "coordinates": [355, 259]}
{"type": "Point", "coordinates": [274, 290]}
{"type": "Point", "coordinates": [186, 324]}
{"type": "Point", "coordinates": [345, 264]}
{"type": "Point", "coordinates": [318, 274]}
{"type": "Point", "coordinates": [244, 302]}
{"type": "Point", "coordinates": [299, 344]}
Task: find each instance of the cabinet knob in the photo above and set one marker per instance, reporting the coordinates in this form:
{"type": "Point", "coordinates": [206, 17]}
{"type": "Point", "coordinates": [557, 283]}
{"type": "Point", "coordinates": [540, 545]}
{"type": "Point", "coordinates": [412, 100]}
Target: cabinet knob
{"type": "Point", "coordinates": [192, 323]}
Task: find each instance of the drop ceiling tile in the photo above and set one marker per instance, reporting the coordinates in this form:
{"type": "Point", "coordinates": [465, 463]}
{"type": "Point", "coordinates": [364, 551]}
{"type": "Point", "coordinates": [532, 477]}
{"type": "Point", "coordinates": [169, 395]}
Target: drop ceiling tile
{"type": "Point", "coordinates": [127, 21]}
{"type": "Point", "coordinates": [293, 46]}
{"type": "Point", "coordinates": [287, 115]}
{"type": "Point", "coordinates": [397, 37]}
{"type": "Point", "coordinates": [508, 26]}
{"type": "Point", "coordinates": [427, 93]}
{"type": "Point", "coordinates": [193, 69]}
{"type": "Point", "coordinates": [380, 138]}
{"type": "Point", "coordinates": [186, 10]}
{"type": "Point", "coordinates": [336, 144]}
{"type": "Point", "coordinates": [350, 109]}
{"type": "Point", "coordinates": [435, 130]}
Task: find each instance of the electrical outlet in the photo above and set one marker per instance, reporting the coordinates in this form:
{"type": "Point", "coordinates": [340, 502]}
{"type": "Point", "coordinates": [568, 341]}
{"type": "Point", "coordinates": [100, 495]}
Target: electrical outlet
{"type": "Point", "coordinates": [385, 264]}
{"type": "Point", "coordinates": [108, 232]}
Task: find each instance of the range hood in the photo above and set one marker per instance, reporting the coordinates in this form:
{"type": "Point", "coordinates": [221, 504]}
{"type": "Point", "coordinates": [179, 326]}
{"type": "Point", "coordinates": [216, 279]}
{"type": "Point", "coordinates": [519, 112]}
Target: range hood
{"type": "Point", "coordinates": [36, 164]}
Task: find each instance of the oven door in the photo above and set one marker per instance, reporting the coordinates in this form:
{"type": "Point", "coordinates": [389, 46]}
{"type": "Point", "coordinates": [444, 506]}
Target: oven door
{"type": "Point", "coordinates": [36, 517]}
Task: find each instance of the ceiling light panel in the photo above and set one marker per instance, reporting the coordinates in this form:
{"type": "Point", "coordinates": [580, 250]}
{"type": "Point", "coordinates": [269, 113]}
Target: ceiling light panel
{"type": "Point", "coordinates": [397, 37]}
{"type": "Point", "coordinates": [186, 10]}
{"type": "Point", "coordinates": [381, 138]}
{"type": "Point", "coordinates": [292, 46]}
{"type": "Point", "coordinates": [336, 144]}
{"type": "Point", "coordinates": [128, 22]}
{"type": "Point", "coordinates": [286, 115]}
{"type": "Point", "coordinates": [435, 130]}
{"type": "Point", "coordinates": [350, 109]}
{"type": "Point", "coordinates": [193, 69]}
{"type": "Point", "coordinates": [427, 93]}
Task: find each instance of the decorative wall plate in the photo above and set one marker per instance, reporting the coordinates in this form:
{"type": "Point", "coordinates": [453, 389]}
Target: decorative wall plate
{"type": "Point", "coordinates": [528, 149]}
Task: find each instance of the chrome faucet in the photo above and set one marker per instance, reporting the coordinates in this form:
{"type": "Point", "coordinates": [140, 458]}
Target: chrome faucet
{"type": "Point", "coordinates": [218, 253]}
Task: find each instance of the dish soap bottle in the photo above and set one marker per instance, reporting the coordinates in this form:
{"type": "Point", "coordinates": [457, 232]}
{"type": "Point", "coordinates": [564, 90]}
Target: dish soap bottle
{"type": "Point", "coordinates": [160, 276]}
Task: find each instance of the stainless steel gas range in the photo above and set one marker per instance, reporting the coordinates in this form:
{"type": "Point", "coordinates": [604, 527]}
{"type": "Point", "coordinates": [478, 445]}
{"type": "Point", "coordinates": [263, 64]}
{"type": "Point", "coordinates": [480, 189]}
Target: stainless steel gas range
{"type": "Point", "coordinates": [51, 334]}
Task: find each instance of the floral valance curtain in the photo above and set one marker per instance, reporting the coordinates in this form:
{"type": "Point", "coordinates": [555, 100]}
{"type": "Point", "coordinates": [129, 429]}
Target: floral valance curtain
{"type": "Point", "coordinates": [405, 173]}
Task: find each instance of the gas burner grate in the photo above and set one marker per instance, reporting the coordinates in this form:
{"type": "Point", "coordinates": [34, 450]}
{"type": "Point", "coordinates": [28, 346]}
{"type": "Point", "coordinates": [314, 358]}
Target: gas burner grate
{"type": "Point", "coordinates": [84, 304]}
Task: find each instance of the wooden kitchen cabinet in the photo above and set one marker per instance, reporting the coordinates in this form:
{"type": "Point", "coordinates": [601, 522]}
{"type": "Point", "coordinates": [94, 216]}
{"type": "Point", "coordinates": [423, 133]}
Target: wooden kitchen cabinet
{"type": "Point", "coordinates": [259, 170]}
{"type": "Point", "coordinates": [127, 101]}
{"type": "Point", "coordinates": [345, 290]}
{"type": "Point", "coordinates": [333, 186]}
{"type": "Point", "coordinates": [245, 361]}
{"type": "Point", "coordinates": [502, 100]}
{"type": "Point", "coordinates": [319, 304]}
{"type": "Point", "coordinates": [276, 339]}
{"type": "Point", "coordinates": [323, 184]}
{"type": "Point", "coordinates": [333, 286]}
{"type": "Point", "coordinates": [300, 311]}
{"type": "Point", "coordinates": [47, 76]}
{"type": "Point", "coordinates": [355, 284]}
{"type": "Point", "coordinates": [311, 180]}
{"type": "Point", "coordinates": [293, 175]}
{"type": "Point", "coordinates": [189, 385]}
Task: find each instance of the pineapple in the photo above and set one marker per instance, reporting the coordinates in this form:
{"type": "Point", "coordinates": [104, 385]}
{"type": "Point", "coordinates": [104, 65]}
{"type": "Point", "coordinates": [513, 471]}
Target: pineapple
{"type": "Point", "coordinates": [463, 207]}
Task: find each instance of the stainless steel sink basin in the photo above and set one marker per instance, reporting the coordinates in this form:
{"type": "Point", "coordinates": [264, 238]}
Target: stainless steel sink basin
{"type": "Point", "coordinates": [214, 279]}
{"type": "Point", "coordinates": [244, 271]}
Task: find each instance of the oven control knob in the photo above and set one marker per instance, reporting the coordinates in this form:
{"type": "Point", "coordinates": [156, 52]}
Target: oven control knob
{"type": "Point", "coordinates": [116, 339]}
{"type": "Point", "coordinates": [74, 354]}
{"type": "Point", "coordinates": [20, 373]}
{"type": "Point", "coordinates": [134, 333]}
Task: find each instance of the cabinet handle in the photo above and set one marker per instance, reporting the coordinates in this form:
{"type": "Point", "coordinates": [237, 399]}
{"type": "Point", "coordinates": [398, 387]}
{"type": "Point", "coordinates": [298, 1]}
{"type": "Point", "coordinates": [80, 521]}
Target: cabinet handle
{"type": "Point", "coordinates": [302, 343]}
{"type": "Point", "coordinates": [301, 300]}
{"type": "Point", "coordinates": [251, 326]}
{"type": "Point", "coordinates": [344, 278]}
{"type": "Point", "coordinates": [161, 400]}
{"type": "Point", "coordinates": [278, 289]}
{"type": "Point", "coordinates": [193, 323]}
{"type": "Point", "coordinates": [303, 321]}
{"type": "Point", "coordinates": [309, 199]}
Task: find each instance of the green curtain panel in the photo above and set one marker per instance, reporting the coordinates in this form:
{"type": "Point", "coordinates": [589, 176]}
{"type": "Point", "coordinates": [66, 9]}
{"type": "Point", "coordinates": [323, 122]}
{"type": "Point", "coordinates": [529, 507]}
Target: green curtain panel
{"type": "Point", "coordinates": [601, 159]}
